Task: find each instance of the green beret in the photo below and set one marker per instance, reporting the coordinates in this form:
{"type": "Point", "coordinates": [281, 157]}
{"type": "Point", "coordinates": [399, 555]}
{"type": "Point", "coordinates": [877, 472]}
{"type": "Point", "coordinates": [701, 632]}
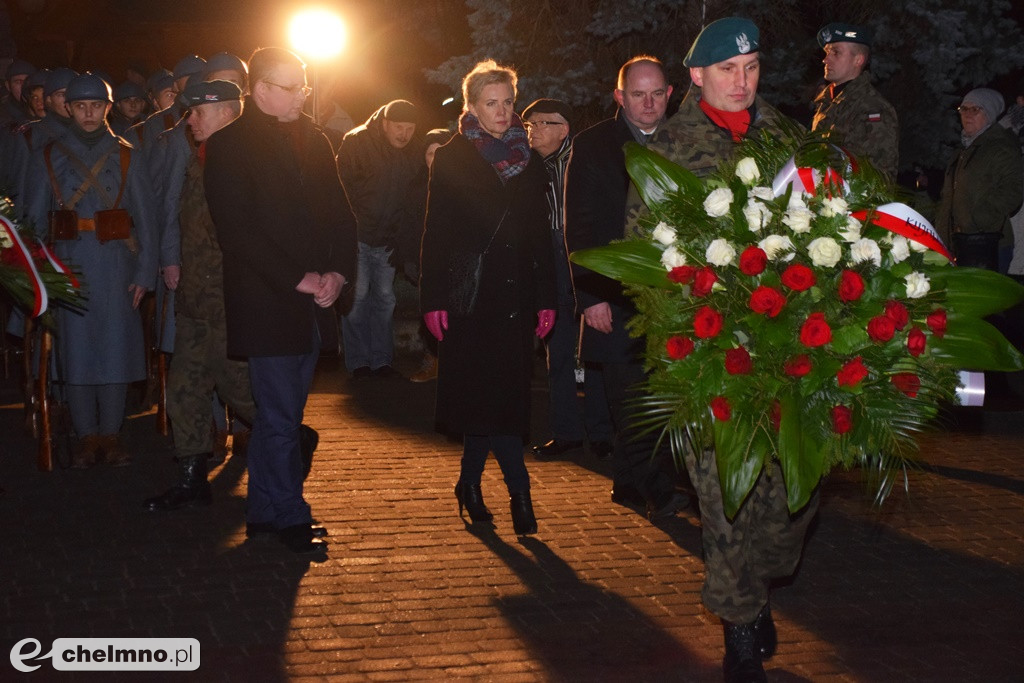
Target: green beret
{"type": "Point", "coordinates": [837, 32]}
{"type": "Point", "coordinates": [721, 40]}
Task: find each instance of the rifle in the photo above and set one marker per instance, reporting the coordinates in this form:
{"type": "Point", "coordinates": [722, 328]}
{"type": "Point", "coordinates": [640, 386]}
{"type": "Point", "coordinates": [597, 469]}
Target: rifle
{"type": "Point", "coordinates": [44, 456]}
{"type": "Point", "coordinates": [163, 426]}
{"type": "Point", "coordinates": [28, 388]}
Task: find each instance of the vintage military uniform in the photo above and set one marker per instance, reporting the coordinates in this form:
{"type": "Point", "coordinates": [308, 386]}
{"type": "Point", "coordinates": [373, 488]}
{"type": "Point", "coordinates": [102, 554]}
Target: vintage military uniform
{"type": "Point", "coordinates": [98, 351]}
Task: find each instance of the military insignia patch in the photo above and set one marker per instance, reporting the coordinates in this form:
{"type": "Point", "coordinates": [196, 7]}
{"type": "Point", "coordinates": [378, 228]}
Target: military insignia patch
{"type": "Point", "coordinates": [743, 43]}
{"type": "Point", "coordinates": [874, 118]}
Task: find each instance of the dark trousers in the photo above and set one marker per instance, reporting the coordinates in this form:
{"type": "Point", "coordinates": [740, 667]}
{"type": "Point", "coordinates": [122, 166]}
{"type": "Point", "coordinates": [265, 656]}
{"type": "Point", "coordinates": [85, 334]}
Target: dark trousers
{"type": "Point", "coordinates": [280, 386]}
{"type": "Point", "coordinates": [568, 423]}
{"type": "Point", "coordinates": [507, 449]}
{"type": "Point", "coordinates": [634, 462]}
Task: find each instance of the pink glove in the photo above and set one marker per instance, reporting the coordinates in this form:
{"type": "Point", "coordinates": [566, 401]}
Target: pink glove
{"type": "Point", "coordinates": [545, 322]}
{"type": "Point", "coordinates": [437, 323]}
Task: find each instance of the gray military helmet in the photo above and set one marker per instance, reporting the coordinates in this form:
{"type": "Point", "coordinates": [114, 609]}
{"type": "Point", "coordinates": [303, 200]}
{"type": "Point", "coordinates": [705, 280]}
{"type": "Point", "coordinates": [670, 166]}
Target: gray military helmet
{"type": "Point", "coordinates": [87, 87]}
{"type": "Point", "coordinates": [128, 89]}
{"type": "Point", "coordinates": [189, 65]}
{"type": "Point", "coordinates": [223, 61]}
{"type": "Point", "coordinates": [19, 67]}
{"type": "Point", "coordinates": [58, 79]}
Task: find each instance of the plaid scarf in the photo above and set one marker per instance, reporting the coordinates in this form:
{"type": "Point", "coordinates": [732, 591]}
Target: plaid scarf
{"type": "Point", "coordinates": [509, 154]}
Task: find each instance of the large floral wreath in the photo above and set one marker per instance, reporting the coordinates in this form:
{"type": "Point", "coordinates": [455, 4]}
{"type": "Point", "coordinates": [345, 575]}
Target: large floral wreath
{"type": "Point", "coordinates": [792, 310]}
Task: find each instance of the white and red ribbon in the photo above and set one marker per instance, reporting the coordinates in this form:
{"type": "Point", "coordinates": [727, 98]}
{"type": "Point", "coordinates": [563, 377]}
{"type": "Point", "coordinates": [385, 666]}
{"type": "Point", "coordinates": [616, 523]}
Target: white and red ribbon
{"type": "Point", "coordinates": [57, 265]}
{"type": "Point", "coordinates": [903, 220]}
{"type": "Point", "coordinates": [806, 179]}
{"type": "Point", "coordinates": [42, 300]}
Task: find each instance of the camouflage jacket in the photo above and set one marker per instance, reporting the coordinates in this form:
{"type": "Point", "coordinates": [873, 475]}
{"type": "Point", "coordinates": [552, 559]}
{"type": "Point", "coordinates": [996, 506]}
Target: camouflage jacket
{"type": "Point", "coordinates": [200, 292]}
{"type": "Point", "coordinates": [863, 121]}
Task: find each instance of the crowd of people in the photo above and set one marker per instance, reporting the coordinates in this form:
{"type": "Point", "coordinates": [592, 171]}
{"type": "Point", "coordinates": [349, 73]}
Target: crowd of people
{"type": "Point", "coordinates": [230, 202]}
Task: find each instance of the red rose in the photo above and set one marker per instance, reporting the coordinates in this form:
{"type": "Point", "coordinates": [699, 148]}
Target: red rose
{"type": "Point", "coordinates": [798, 277]}
{"type": "Point", "coordinates": [907, 382]}
{"type": "Point", "coordinates": [753, 260]}
{"type": "Point", "coordinates": [703, 281]}
{"type": "Point", "coordinates": [852, 373]}
{"type": "Point", "coordinates": [851, 286]}
{"type": "Point", "coordinates": [936, 321]}
{"type": "Point", "coordinates": [767, 300]}
{"type": "Point", "coordinates": [815, 331]}
{"type": "Point", "coordinates": [898, 313]}
{"type": "Point", "coordinates": [797, 366]}
{"type": "Point", "coordinates": [737, 361]}
{"type": "Point", "coordinates": [916, 342]}
{"type": "Point", "coordinates": [682, 274]}
{"type": "Point", "coordinates": [707, 322]}
{"type": "Point", "coordinates": [842, 419]}
{"type": "Point", "coordinates": [881, 328]}
{"type": "Point", "coordinates": [720, 408]}
{"type": "Point", "coordinates": [776, 415]}
{"type": "Point", "coordinates": [678, 348]}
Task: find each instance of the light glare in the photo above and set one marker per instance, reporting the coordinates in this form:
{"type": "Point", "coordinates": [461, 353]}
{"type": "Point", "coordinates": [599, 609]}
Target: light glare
{"type": "Point", "coordinates": [317, 33]}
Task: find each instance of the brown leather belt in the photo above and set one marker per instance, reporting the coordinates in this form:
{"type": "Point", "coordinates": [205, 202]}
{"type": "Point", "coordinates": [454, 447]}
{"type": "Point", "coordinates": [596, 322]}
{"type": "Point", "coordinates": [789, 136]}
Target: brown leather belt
{"type": "Point", "coordinates": [86, 225]}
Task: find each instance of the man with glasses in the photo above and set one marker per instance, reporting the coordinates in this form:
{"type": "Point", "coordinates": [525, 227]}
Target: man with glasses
{"type": "Point", "coordinates": [547, 123]}
{"type": "Point", "coordinates": [983, 186]}
{"type": "Point", "coordinates": [864, 122]}
{"type": "Point", "coordinates": [288, 239]}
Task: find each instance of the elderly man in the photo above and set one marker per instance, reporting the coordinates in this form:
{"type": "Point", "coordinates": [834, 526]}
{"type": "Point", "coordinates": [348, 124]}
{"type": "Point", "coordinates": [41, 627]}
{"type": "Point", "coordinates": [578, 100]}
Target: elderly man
{"type": "Point", "coordinates": [863, 121]}
{"type": "Point", "coordinates": [287, 236]}
{"type": "Point", "coordinates": [763, 542]}
{"type": "Point", "coordinates": [548, 125]}
{"type": "Point", "coordinates": [596, 188]}
{"type": "Point", "coordinates": [983, 184]}
{"type": "Point", "coordinates": [201, 362]}
{"type": "Point", "coordinates": [377, 166]}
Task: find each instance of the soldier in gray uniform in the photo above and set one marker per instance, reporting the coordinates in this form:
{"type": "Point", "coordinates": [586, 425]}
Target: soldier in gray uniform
{"type": "Point", "coordinates": [200, 361]}
{"type": "Point", "coordinates": [102, 225]}
{"type": "Point", "coordinates": [13, 113]}
{"type": "Point", "coordinates": [763, 542]}
{"type": "Point", "coordinates": [864, 122]}
{"type": "Point", "coordinates": [129, 104]}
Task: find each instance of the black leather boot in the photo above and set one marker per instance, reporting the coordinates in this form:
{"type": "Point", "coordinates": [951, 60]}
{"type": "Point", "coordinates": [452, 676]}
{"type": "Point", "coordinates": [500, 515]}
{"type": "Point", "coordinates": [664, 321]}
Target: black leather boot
{"type": "Point", "coordinates": [523, 521]}
{"type": "Point", "coordinates": [308, 441]}
{"type": "Point", "coordinates": [742, 663]}
{"type": "Point", "coordinates": [192, 487]}
{"type": "Point", "coordinates": [470, 497]}
{"type": "Point", "coordinates": [765, 635]}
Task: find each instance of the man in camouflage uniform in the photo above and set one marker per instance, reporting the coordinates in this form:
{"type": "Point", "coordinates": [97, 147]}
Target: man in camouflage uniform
{"type": "Point", "coordinates": [200, 361]}
{"type": "Point", "coordinates": [863, 121]}
{"type": "Point", "coordinates": [763, 542]}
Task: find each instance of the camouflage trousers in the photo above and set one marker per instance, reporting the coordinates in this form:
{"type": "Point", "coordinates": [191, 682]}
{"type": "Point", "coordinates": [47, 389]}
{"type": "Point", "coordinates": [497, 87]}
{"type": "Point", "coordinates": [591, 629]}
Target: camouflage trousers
{"type": "Point", "coordinates": [762, 543]}
{"type": "Point", "coordinates": [200, 364]}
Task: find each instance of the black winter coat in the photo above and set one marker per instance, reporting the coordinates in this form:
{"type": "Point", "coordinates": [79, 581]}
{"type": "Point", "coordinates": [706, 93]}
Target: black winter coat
{"type": "Point", "coordinates": [596, 188]}
{"type": "Point", "coordinates": [280, 212]}
{"type": "Point", "coordinates": [485, 361]}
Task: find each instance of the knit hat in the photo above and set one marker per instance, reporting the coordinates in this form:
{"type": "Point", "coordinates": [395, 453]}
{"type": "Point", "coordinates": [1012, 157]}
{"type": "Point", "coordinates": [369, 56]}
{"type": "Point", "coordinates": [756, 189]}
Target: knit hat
{"type": "Point", "coordinates": [723, 39]}
{"type": "Point", "coordinates": [549, 106]}
{"type": "Point", "coordinates": [400, 111]}
{"type": "Point", "coordinates": [990, 101]}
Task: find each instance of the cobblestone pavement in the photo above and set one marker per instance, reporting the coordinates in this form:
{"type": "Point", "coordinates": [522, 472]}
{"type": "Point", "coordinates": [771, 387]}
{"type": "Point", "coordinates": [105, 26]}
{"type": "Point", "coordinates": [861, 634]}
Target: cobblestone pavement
{"type": "Point", "coordinates": [930, 587]}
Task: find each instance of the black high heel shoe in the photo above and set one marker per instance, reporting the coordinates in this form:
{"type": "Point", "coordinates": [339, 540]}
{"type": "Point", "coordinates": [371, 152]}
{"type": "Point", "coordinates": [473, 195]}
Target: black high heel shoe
{"type": "Point", "coordinates": [469, 497]}
{"type": "Point", "coordinates": [523, 520]}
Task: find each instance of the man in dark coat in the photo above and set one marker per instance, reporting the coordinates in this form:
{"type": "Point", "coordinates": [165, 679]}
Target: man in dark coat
{"type": "Point", "coordinates": [596, 189]}
{"type": "Point", "coordinates": [377, 166]}
{"type": "Point", "coordinates": [288, 239]}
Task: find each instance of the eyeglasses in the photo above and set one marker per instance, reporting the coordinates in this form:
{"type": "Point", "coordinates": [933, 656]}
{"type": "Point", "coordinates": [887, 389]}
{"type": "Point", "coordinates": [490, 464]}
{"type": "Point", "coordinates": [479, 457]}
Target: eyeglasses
{"type": "Point", "coordinates": [293, 90]}
{"type": "Point", "coordinates": [969, 110]}
{"type": "Point", "coordinates": [531, 124]}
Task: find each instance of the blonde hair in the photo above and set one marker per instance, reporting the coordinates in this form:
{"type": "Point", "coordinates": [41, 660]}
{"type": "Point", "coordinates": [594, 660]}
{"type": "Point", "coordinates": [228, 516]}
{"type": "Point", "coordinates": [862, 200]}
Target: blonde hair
{"type": "Point", "coordinates": [485, 73]}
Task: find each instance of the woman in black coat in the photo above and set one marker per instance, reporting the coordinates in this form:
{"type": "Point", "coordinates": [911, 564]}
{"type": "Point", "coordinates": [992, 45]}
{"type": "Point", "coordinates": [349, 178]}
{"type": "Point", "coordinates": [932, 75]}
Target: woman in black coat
{"type": "Point", "coordinates": [487, 197]}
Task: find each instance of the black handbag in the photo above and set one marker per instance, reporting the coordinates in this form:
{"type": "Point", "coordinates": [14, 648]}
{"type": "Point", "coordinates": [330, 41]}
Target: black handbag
{"type": "Point", "coordinates": [465, 269]}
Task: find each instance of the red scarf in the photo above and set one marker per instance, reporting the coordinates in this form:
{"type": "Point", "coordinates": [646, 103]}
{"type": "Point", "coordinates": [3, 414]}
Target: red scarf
{"type": "Point", "coordinates": [736, 122]}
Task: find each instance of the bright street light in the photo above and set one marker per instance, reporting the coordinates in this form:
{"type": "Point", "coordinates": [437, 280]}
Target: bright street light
{"type": "Point", "coordinates": [318, 34]}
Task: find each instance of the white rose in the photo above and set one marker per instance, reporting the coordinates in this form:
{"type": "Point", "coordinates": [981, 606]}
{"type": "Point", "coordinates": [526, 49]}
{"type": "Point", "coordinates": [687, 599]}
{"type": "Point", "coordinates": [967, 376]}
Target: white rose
{"type": "Point", "coordinates": [757, 215]}
{"type": "Point", "coordinates": [798, 220]}
{"type": "Point", "coordinates": [672, 258]}
{"type": "Point", "coordinates": [917, 285]}
{"type": "Point", "coordinates": [796, 201]}
{"type": "Point", "coordinates": [865, 249]}
{"type": "Point", "coordinates": [852, 232]}
{"type": "Point", "coordinates": [717, 203]}
{"type": "Point", "coordinates": [664, 234]}
{"type": "Point", "coordinates": [720, 253]}
{"type": "Point", "coordinates": [900, 249]}
{"type": "Point", "coordinates": [762, 193]}
{"type": "Point", "coordinates": [825, 252]}
{"type": "Point", "coordinates": [917, 246]}
{"type": "Point", "coordinates": [5, 239]}
{"type": "Point", "coordinates": [775, 246]}
{"type": "Point", "coordinates": [747, 171]}
{"type": "Point", "coordinates": [834, 206]}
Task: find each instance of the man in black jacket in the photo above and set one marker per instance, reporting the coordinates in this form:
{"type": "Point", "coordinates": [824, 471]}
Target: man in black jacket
{"type": "Point", "coordinates": [377, 166]}
{"type": "Point", "coordinates": [288, 238]}
{"type": "Point", "coordinates": [596, 188]}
